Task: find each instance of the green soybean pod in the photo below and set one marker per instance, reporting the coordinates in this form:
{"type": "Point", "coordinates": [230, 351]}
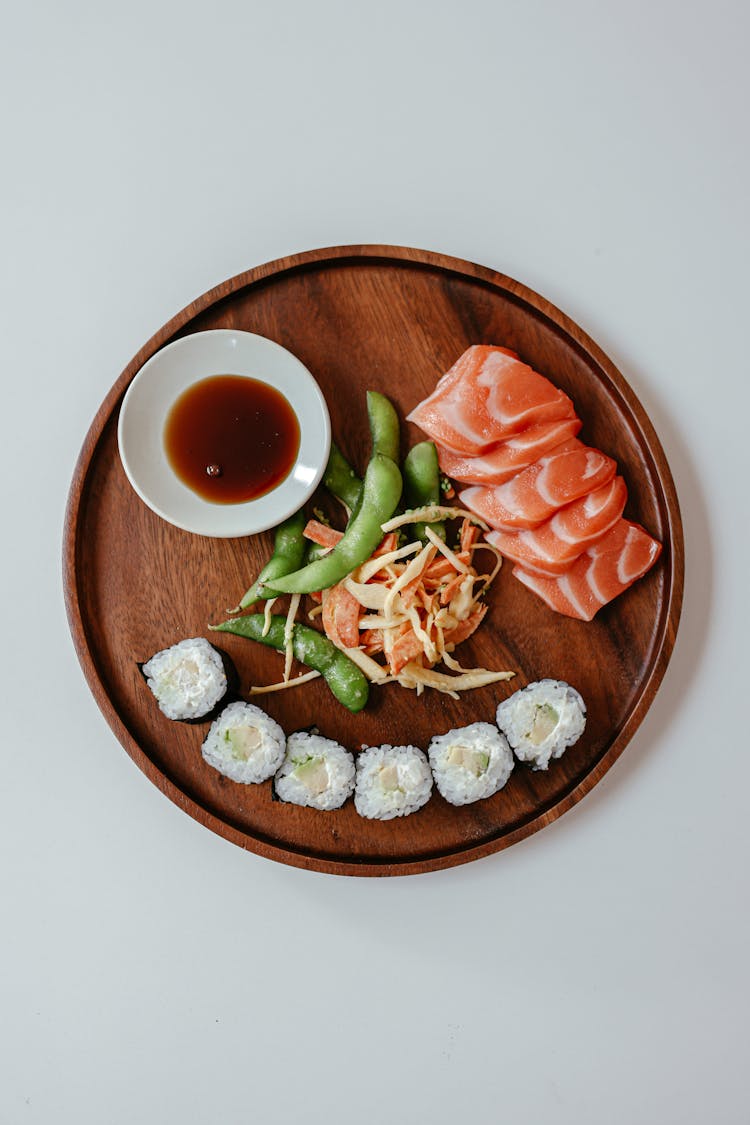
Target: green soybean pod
{"type": "Point", "coordinates": [384, 426]}
{"type": "Point", "coordinates": [422, 483]}
{"type": "Point", "coordinates": [347, 682]}
{"type": "Point", "coordinates": [381, 492]}
{"type": "Point", "coordinates": [340, 478]}
{"type": "Point", "coordinates": [288, 554]}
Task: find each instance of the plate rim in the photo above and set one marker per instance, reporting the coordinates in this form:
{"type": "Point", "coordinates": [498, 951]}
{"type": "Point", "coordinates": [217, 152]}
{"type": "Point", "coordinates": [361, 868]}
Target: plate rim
{"type": "Point", "coordinates": [672, 599]}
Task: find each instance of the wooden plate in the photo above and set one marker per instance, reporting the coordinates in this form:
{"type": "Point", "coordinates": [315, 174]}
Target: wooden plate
{"type": "Point", "coordinates": [390, 319]}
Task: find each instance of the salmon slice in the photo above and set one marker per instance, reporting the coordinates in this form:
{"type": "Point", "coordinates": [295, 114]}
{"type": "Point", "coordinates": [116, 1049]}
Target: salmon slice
{"type": "Point", "coordinates": [600, 574]}
{"type": "Point", "coordinates": [487, 396]}
{"type": "Point", "coordinates": [503, 461]}
{"type": "Point", "coordinates": [554, 546]}
{"type": "Point", "coordinates": [532, 496]}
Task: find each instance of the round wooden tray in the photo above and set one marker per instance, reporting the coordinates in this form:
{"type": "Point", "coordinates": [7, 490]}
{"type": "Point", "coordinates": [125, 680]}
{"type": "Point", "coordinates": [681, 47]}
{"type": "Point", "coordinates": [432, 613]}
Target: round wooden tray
{"type": "Point", "coordinates": [389, 319]}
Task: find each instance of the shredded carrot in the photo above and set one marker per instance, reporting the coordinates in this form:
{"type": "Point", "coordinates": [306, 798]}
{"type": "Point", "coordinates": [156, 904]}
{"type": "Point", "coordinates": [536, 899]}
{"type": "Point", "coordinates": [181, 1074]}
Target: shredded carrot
{"type": "Point", "coordinates": [468, 536]}
{"type": "Point", "coordinates": [341, 614]}
{"type": "Point", "coordinates": [388, 543]}
{"type": "Point", "coordinates": [406, 648]}
{"type": "Point", "coordinates": [450, 588]}
{"type": "Point", "coordinates": [321, 534]}
{"type": "Point", "coordinates": [411, 606]}
{"type": "Point", "coordinates": [403, 611]}
{"type": "Point", "coordinates": [466, 627]}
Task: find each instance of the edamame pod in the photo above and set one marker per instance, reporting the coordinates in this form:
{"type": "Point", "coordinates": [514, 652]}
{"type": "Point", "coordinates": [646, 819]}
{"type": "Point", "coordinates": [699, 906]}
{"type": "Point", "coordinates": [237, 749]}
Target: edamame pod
{"type": "Point", "coordinates": [385, 433]}
{"type": "Point", "coordinates": [344, 678]}
{"type": "Point", "coordinates": [384, 426]}
{"type": "Point", "coordinates": [288, 554]}
{"type": "Point", "coordinates": [381, 492]}
{"type": "Point", "coordinates": [422, 483]}
{"type": "Point", "coordinates": [340, 478]}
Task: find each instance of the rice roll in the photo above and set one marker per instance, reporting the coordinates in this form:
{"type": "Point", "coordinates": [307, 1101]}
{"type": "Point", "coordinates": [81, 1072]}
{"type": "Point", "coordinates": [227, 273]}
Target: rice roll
{"type": "Point", "coordinates": [316, 772]}
{"type": "Point", "coordinates": [470, 763]}
{"type": "Point", "coordinates": [187, 680]}
{"type": "Point", "coordinates": [542, 721]}
{"type": "Point", "coordinates": [245, 744]}
{"type": "Point", "coordinates": [391, 781]}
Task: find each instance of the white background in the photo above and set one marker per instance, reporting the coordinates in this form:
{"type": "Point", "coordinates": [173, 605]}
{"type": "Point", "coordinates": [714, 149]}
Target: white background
{"type": "Point", "coordinates": [151, 971]}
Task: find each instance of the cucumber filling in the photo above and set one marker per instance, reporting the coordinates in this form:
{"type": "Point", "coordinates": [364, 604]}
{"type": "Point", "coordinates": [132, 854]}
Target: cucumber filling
{"type": "Point", "coordinates": [543, 724]}
{"type": "Point", "coordinates": [243, 742]}
{"type": "Point", "coordinates": [313, 774]}
{"type": "Point", "coordinates": [466, 757]}
{"type": "Point", "coordinates": [388, 778]}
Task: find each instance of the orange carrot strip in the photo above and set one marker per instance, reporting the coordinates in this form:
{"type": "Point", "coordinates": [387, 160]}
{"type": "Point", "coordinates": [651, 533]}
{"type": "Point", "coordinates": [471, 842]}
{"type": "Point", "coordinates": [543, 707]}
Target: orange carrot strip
{"type": "Point", "coordinates": [372, 641]}
{"type": "Point", "coordinates": [321, 534]}
{"type": "Point", "coordinates": [341, 612]}
{"type": "Point", "coordinates": [446, 594]}
{"type": "Point", "coordinates": [407, 647]}
{"type": "Point", "coordinates": [465, 628]}
{"type": "Point", "coordinates": [427, 600]}
{"type": "Point", "coordinates": [388, 543]}
{"type": "Point", "coordinates": [469, 535]}
{"type": "Point", "coordinates": [440, 568]}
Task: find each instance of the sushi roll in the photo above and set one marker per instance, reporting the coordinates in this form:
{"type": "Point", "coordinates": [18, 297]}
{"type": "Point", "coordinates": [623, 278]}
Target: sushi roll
{"type": "Point", "coordinates": [245, 744]}
{"type": "Point", "coordinates": [188, 679]}
{"type": "Point", "coordinates": [542, 721]}
{"type": "Point", "coordinates": [470, 763]}
{"type": "Point", "coordinates": [316, 772]}
{"type": "Point", "coordinates": [391, 781]}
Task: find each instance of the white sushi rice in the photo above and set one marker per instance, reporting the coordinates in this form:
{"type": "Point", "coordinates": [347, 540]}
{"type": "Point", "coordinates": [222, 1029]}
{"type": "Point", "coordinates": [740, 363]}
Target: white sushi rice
{"type": "Point", "coordinates": [542, 721]}
{"type": "Point", "coordinates": [188, 679]}
{"type": "Point", "coordinates": [391, 781]}
{"type": "Point", "coordinates": [470, 763]}
{"type": "Point", "coordinates": [316, 772]}
{"type": "Point", "coordinates": [245, 744]}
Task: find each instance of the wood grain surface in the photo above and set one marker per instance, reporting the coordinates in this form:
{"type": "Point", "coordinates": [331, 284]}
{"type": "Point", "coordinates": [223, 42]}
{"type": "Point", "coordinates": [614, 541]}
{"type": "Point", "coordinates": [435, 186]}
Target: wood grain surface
{"type": "Point", "coordinates": [389, 319]}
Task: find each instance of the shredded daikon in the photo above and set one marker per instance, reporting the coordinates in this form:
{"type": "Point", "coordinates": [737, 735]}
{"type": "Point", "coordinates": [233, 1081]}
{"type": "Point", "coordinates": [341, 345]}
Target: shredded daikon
{"type": "Point", "coordinates": [289, 634]}
{"type": "Point", "coordinates": [444, 549]}
{"type": "Point", "coordinates": [379, 562]}
{"type": "Point", "coordinates": [267, 610]}
{"type": "Point", "coordinates": [374, 671]}
{"type": "Point", "coordinates": [412, 571]}
{"type": "Point", "coordinates": [476, 677]}
{"type": "Point", "coordinates": [303, 679]}
{"type": "Point", "coordinates": [371, 595]}
{"type": "Point", "coordinates": [431, 514]}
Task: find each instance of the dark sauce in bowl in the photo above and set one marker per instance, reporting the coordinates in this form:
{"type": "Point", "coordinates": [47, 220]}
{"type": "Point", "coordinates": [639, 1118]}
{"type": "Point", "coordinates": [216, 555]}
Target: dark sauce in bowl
{"type": "Point", "coordinates": [231, 439]}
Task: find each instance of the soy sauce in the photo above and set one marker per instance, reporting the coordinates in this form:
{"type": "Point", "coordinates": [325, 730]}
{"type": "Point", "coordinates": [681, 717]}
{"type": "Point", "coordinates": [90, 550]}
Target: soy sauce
{"type": "Point", "coordinates": [231, 439]}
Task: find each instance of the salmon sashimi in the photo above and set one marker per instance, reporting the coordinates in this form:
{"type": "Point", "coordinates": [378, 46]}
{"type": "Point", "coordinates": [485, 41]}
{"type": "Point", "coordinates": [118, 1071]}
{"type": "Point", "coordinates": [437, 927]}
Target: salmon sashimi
{"type": "Point", "coordinates": [532, 496]}
{"type": "Point", "coordinates": [622, 556]}
{"type": "Point", "coordinates": [554, 546]}
{"type": "Point", "coordinates": [503, 461]}
{"type": "Point", "coordinates": [487, 396]}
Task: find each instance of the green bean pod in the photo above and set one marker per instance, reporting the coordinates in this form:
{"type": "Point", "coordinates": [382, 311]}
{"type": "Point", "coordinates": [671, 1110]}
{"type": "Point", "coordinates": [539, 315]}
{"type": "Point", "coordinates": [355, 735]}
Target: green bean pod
{"type": "Point", "coordinates": [384, 426]}
{"type": "Point", "coordinates": [422, 483]}
{"type": "Point", "coordinates": [381, 492]}
{"type": "Point", "coordinates": [344, 678]}
{"type": "Point", "coordinates": [288, 554]}
{"type": "Point", "coordinates": [340, 478]}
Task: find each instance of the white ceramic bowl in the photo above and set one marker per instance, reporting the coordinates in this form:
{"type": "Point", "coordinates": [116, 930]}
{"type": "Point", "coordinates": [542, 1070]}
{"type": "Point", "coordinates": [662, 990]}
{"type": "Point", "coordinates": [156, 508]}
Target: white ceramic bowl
{"type": "Point", "coordinates": [159, 383]}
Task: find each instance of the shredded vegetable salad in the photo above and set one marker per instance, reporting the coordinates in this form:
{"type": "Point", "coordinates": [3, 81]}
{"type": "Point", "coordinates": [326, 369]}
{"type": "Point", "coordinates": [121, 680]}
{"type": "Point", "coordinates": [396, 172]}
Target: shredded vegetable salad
{"type": "Point", "coordinates": [405, 609]}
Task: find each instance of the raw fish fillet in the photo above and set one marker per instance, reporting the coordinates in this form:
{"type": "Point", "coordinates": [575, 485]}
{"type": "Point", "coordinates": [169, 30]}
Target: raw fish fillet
{"type": "Point", "coordinates": [532, 496]}
{"type": "Point", "coordinates": [503, 461]}
{"type": "Point", "coordinates": [600, 574]}
{"type": "Point", "coordinates": [554, 546]}
{"type": "Point", "coordinates": [487, 396]}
